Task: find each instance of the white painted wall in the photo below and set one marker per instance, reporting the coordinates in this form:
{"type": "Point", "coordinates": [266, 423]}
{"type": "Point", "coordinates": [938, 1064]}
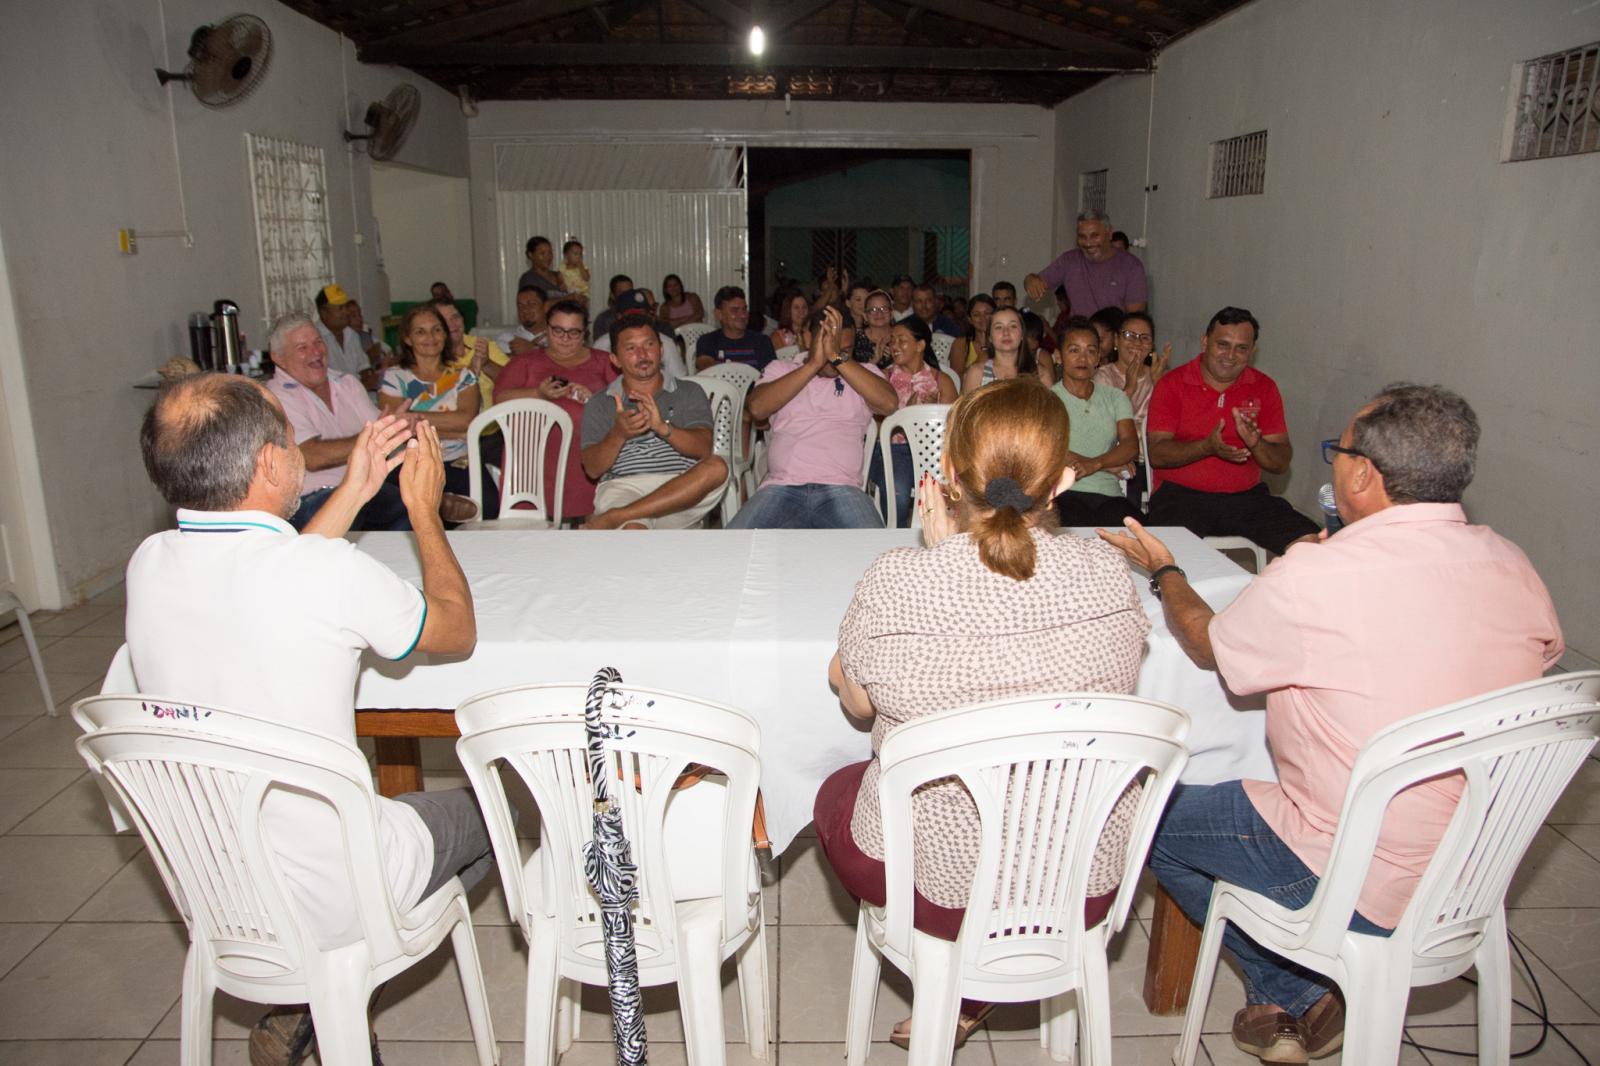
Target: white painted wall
{"type": "Point", "coordinates": [1012, 156]}
{"type": "Point", "coordinates": [90, 148]}
{"type": "Point", "coordinates": [1390, 244]}
{"type": "Point", "coordinates": [425, 224]}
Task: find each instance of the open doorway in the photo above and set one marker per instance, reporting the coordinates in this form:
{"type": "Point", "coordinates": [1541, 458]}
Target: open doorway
{"type": "Point", "coordinates": [424, 232]}
{"type": "Point", "coordinates": [875, 212]}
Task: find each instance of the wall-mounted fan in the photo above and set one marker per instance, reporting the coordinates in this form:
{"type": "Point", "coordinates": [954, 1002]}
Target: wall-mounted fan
{"type": "Point", "coordinates": [226, 61]}
{"type": "Point", "coordinates": [389, 121]}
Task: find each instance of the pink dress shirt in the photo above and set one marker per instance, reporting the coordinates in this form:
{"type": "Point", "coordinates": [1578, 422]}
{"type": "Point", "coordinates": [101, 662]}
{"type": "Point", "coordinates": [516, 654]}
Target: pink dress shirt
{"type": "Point", "coordinates": [819, 437]}
{"type": "Point", "coordinates": [1406, 610]}
{"type": "Point", "coordinates": [312, 419]}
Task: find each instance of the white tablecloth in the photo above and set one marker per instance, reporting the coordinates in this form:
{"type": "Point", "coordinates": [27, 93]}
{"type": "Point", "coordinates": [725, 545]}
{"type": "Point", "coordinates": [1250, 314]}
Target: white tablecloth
{"type": "Point", "coordinates": [749, 619]}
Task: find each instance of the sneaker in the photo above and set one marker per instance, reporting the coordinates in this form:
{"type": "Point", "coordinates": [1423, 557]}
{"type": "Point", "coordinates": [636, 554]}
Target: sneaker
{"type": "Point", "coordinates": [1274, 1037]}
{"type": "Point", "coordinates": [282, 1037]}
{"type": "Point", "coordinates": [1323, 1026]}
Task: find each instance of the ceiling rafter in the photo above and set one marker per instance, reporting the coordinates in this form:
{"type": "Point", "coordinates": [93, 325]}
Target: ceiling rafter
{"type": "Point", "coordinates": [1029, 27]}
{"type": "Point", "coordinates": [489, 20]}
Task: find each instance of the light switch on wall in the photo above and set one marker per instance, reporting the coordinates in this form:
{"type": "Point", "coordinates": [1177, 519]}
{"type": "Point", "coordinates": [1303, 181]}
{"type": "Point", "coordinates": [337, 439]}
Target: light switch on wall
{"type": "Point", "coordinates": [127, 242]}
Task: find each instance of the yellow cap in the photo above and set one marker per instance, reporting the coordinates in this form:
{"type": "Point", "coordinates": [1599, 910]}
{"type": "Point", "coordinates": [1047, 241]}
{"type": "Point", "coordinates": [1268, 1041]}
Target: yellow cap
{"type": "Point", "coordinates": [333, 294]}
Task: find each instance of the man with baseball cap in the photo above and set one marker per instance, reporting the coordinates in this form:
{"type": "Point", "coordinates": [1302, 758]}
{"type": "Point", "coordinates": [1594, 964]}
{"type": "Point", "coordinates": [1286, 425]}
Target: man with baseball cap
{"type": "Point", "coordinates": [345, 351]}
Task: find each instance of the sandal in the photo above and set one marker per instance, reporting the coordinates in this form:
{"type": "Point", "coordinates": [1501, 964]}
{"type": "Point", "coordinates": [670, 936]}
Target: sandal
{"type": "Point", "coordinates": [966, 1025]}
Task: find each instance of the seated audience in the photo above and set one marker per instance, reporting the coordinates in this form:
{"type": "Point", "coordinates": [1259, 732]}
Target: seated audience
{"type": "Point", "coordinates": [969, 347]}
{"type": "Point", "coordinates": [541, 274]}
{"type": "Point", "coordinates": [1107, 324]}
{"type": "Point", "coordinates": [483, 356]}
{"type": "Point", "coordinates": [346, 353]}
{"type": "Point", "coordinates": [1119, 240]}
{"type": "Point", "coordinates": [1405, 609]}
{"type": "Point", "coordinates": [925, 302]}
{"type": "Point", "coordinates": [1136, 372]}
{"type": "Point", "coordinates": [1007, 355]}
{"type": "Point", "coordinates": [440, 292]}
{"type": "Point", "coordinates": [568, 373]}
{"type": "Point", "coordinates": [732, 343]}
{"type": "Point", "coordinates": [378, 353]}
{"type": "Point", "coordinates": [1103, 439]}
{"type": "Point", "coordinates": [995, 607]}
{"type": "Point", "coordinates": [327, 409]}
{"type": "Point", "coordinates": [900, 292]}
{"type": "Point", "coordinates": [620, 283]}
{"type": "Point", "coordinates": [298, 612]}
{"type": "Point", "coordinates": [792, 309]}
{"type": "Point", "coordinates": [956, 308]}
{"type": "Point", "coordinates": [1214, 425]}
{"type": "Point", "coordinates": [679, 308]}
{"type": "Point", "coordinates": [635, 301]}
{"type": "Point", "coordinates": [855, 299]}
{"type": "Point", "coordinates": [1095, 274]}
{"type": "Point", "coordinates": [531, 320]}
{"type": "Point", "coordinates": [435, 385]}
{"type": "Point", "coordinates": [916, 379]}
{"type": "Point", "coordinates": [647, 440]}
{"type": "Point", "coordinates": [1004, 293]}
{"type": "Point", "coordinates": [819, 414]}
{"type": "Point", "coordinates": [871, 343]}
{"type": "Point", "coordinates": [1039, 341]}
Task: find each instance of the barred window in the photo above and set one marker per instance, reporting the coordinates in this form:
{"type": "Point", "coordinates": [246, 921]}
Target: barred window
{"type": "Point", "coordinates": [1555, 105]}
{"type": "Point", "coordinates": [1238, 166]}
{"type": "Point", "coordinates": [1092, 191]}
{"type": "Point", "coordinates": [289, 183]}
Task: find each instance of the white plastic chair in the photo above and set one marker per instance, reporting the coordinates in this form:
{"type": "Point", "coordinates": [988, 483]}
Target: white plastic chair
{"type": "Point", "coordinates": [789, 352]}
{"type": "Point", "coordinates": [1240, 544]}
{"type": "Point", "coordinates": [9, 602]}
{"type": "Point", "coordinates": [942, 343]}
{"type": "Point", "coordinates": [727, 417]}
{"type": "Point", "coordinates": [1517, 749]}
{"type": "Point", "coordinates": [923, 425]}
{"type": "Point", "coordinates": [699, 891]}
{"type": "Point", "coordinates": [955, 379]}
{"type": "Point", "coordinates": [688, 335]}
{"type": "Point", "coordinates": [1045, 774]}
{"type": "Point", "coordinates": [193, 780]}
{"type": "Point", "coordinates": [745, 377]}
{"type": "Point", "coordinates": [526, 426]}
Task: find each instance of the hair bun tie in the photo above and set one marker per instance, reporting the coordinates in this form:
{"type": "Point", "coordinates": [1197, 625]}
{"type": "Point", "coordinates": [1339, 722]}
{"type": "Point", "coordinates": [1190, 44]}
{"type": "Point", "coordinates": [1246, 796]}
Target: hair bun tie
{"type": "Point", "coordinates": [1005, 492]}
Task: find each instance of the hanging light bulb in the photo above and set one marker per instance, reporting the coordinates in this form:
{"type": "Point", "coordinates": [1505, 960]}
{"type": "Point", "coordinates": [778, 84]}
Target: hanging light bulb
{"type": "Point", "coordinates": [758, 41]}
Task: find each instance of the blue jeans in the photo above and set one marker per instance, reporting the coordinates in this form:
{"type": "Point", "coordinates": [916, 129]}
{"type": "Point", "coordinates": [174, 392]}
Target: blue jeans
{"type": "Point", "coordinates": [903, 490]}
{"type": "Point", "coordinates": [385, 511]}
{"type": "Point", "coordinates": [808, 507]}
{"type": "Point", "coordinates": [1213, 831]}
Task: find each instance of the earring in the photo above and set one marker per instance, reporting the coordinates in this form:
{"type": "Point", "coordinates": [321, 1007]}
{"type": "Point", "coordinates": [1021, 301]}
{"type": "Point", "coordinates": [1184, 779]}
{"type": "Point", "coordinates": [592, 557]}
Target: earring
{"type": "Point", "coordinates": [954, 494]}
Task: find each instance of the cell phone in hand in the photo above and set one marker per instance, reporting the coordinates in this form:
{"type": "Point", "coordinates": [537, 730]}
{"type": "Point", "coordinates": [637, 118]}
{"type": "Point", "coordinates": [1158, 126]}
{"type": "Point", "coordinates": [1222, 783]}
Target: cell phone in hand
{"type": "Point", "coordinates": [1150, 360]}
{"type": "Point", "coordinates": [559, 382]}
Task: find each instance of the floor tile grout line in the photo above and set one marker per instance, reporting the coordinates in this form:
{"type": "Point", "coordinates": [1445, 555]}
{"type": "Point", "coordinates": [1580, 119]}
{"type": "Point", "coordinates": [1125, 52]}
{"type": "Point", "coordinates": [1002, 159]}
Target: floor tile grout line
{"type": "Point", "coordinates": [131, 860]}
{"type": "Point", "coordinates": [28, 954]}
{"type": "Point", "coordinates": [53, 797]}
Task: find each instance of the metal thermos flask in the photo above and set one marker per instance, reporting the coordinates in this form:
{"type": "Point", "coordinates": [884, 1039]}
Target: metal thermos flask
{"type": "Point", "coordinates": [229, 346]}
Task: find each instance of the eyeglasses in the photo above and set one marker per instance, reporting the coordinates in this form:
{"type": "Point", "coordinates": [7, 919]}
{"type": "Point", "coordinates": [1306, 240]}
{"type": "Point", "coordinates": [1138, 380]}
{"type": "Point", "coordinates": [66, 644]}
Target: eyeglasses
{"type": "Point", "coordinates": [562, 331]}
{"type": "Point", "coordinates": [1145, 338]}
{"type": "Point", "coordinates": [1330, 448]}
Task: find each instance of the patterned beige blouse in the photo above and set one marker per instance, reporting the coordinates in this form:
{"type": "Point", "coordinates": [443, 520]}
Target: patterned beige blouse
{"type": "Point", "coordinates": [933, 628]}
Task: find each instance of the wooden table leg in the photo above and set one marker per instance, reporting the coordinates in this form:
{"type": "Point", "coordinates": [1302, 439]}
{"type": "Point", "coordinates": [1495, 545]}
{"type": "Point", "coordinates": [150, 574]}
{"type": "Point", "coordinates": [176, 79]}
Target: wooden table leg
{"type": "Point", "coordinates": [1174, 948]}
{"type": "Point", "coordinates": [399, 765]}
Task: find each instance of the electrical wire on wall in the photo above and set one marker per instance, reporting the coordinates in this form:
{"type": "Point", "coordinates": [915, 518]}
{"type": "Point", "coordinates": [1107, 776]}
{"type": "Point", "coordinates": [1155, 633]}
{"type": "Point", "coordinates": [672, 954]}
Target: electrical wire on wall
{"type": "Point", "coordinates": [177, 158]}
{"type": "Point", "coordinates": [350, 164]}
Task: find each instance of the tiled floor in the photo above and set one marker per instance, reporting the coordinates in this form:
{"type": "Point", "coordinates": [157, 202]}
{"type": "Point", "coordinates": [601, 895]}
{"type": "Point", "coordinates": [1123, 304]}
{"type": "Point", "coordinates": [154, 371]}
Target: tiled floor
{"type": "Point", "coordinates": [91, 952]}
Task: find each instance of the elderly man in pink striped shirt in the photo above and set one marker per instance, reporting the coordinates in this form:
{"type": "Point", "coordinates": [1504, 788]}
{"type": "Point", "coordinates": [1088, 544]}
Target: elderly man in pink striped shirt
{"type": "Point", "coordinates": [1407, 608]}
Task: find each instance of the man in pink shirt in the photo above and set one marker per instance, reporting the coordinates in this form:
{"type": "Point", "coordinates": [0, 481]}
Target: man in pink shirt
{"type": "Point", "coordinates": [820, 412]}
{"type": "Point", "coordinates": [1405, 609]}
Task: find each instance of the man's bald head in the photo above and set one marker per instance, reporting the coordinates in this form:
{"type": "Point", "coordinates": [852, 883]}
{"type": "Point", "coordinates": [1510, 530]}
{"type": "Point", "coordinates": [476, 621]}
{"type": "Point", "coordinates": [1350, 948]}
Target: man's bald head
{"type": "Point", "coordinates": [203, 435]}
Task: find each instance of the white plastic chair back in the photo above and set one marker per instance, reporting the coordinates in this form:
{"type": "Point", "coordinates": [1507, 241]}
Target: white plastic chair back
{"type": "Point", "coordinates": [1149, 467]}
{"type": "Point", "coordinates": [526, 426]}
{"type": "Point", "coordinates": [740, 374]}
{"type": "Point", "coordinates": [537, 731]}
{"type": "Point", "coordinates": [941, 351]}
{"type": "Point", "coordinates": [923, 425]}
{"type": "Point", "coordinates": [790, 353]}
{"type": "Point", "coordinates": [1045, 774]}
{"type": "Point", "coordinates": [1516, 750]}
{"type": "Point", "coordinates": [688, 335]}
{"type": "Point", "coordinates": [1240, 544]}
{"type": "Point", "coordinates": [955, 379]}
{"type": "Point", "coordinates": [727, 421]}
{"type": "Point", "coordinates": [193, 778]}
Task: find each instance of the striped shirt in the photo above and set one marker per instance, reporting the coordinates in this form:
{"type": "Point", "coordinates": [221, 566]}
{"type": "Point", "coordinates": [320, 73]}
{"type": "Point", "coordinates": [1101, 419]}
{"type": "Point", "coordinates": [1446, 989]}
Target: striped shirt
{"type": "Point", "coordinates": [686, 408]}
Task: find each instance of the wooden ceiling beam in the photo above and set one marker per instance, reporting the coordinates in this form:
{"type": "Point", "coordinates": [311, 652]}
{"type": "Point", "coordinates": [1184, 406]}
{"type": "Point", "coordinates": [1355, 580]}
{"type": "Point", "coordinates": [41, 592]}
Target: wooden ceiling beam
{"type": "Point", "coordinates": [486, 21]}
{"type": "Point", "coordinates": [1028, 28]}
{"type": "Point", "coordinates": [422, 56]}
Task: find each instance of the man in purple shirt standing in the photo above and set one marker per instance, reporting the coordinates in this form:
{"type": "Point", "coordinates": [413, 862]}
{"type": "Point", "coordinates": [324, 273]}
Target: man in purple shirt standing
{"type": "Point", "coordinates": [1095, 274]}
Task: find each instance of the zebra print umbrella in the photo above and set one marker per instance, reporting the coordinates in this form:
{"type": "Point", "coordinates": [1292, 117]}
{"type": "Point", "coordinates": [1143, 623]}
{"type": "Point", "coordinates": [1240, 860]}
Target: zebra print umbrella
{"type": "Point", "coordinates": [608, 862]}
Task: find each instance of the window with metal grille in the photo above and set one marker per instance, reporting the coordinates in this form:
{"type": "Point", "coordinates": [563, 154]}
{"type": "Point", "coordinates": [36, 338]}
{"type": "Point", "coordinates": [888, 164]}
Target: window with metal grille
{"type": "Point", "coordinates": [1092, 191]}
{"type": "Point", "coordinates": [1555, 105]}
{"type": "Point", "coordinates": [289, 184]}
{"type": "Point", "coordinates": [1238, 166]}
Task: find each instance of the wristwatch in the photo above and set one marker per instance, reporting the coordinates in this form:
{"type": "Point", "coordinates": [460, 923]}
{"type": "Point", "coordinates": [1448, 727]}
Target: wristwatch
{"type": "Point", "coordinates": [1155, 577]}
{"type": "Point", "coordinates": [836, 363]}
{"type": "Point", "coordinates": [668, 434]}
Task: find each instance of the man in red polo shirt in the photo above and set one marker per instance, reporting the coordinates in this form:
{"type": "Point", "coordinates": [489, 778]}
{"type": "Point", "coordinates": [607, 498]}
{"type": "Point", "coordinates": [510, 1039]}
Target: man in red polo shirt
{"type": "Point", "coordinates": [1214, 425]}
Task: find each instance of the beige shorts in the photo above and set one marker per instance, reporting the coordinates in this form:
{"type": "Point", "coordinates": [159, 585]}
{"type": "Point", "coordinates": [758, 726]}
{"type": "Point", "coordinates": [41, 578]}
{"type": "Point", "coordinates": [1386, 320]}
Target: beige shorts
{"type": "Point", "coordinates": [621, 491]}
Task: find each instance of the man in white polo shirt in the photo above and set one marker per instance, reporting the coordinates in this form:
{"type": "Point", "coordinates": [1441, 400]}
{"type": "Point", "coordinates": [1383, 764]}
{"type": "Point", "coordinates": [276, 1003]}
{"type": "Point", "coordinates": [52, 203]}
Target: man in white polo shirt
{"type": "Point", "coordinates": [234, 608]}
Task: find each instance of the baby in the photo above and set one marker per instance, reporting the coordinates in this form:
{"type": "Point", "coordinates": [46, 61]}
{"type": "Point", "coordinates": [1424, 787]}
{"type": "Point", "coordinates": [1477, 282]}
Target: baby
{"type": "Point", "coordinates": [574, 275]}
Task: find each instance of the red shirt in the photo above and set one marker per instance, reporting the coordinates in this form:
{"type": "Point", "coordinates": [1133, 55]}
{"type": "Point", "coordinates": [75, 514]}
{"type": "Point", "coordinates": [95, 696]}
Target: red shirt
{"type": "Point", "coordinates": [1185, 406]}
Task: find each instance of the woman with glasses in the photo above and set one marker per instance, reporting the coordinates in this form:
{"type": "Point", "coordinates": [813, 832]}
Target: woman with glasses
{"type": "Point", "coordinates": [1008, 354]}
{"type": "Point", "coordinates": [1136, 371]}
{"type": "Point", "coordinates": [968, 349]}
{"type": "Point", "coordinates": [872, 339]}
{"type": "Point", "coordinates": [566, 373]}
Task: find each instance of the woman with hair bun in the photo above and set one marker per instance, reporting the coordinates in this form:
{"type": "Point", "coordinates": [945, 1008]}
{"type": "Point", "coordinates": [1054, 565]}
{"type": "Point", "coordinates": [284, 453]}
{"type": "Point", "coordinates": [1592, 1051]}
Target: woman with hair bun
{"type": "Point", "coordinates": [997, 605]}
